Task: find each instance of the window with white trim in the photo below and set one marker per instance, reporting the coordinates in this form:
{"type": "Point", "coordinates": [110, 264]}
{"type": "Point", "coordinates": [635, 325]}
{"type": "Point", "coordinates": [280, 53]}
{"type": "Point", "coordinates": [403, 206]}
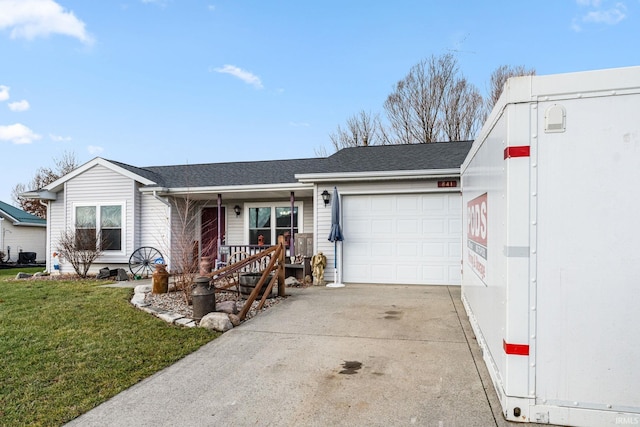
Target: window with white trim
{"type": "Point", "coordinates": [101, 223]}
{"type": "Point", "coordinates": [272, 220]}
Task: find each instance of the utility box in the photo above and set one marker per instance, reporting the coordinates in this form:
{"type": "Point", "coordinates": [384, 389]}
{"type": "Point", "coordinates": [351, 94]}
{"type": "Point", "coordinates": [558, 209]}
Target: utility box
{"type": "Point", "coordinates": [551, 265]}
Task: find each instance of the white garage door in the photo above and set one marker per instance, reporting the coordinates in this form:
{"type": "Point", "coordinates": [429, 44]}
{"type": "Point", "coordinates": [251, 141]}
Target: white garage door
{"type": "Point", "coordinates": [402, 239]}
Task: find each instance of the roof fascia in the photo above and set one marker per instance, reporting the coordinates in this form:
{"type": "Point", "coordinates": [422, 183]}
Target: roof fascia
{"type": "Point", "coordinates": [378, 175]}
{"type": "Point", "coordinates": [57, 184]}
{"type": "Point", "coordinates": [5, 215]}
{"type": "Point", "coordinates": [227, 188]}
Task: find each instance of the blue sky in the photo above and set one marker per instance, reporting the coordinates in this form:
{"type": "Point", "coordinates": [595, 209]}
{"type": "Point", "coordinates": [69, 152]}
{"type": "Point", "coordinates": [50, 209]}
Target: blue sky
{"type": "Point", "coordinates": [155, 82]}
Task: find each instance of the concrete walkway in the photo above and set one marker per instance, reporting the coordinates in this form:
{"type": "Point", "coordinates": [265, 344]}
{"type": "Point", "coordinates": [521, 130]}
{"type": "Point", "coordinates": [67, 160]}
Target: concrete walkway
{"type": "Point", "coordinates": [363, 355]}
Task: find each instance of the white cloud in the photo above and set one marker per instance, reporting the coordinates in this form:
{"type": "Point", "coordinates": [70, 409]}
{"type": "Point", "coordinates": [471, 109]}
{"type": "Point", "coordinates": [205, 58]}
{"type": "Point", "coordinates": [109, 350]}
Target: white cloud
{"type": "Point", "coordinates": [58, 138]}
{"type": "Point", "coordinates": [19, 106]}
{"type": "Point", "coordinates": [610, 16]}
{"type": "Point", "coordinates": [211, 7]}
{"type": "Point", "coordinates": [4, 92]}
{"type": "Point", "coordinates": [243, 75]}
{"type": "Point", "coordinates": [161, 3]}
{"type": "Point", "coordinates": [18, 134]}
{"type": "Point", "coordinates": [94, 149]}
{"type": "Point", "coordinates": [40, 18]}
{"type": "Point", "coordinates": [599, 14]}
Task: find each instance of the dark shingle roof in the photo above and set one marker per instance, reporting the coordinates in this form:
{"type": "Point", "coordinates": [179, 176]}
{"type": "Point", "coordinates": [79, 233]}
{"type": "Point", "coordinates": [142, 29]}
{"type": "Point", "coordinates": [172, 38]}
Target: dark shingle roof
{"type": "Point", "coordinates": [20, 216]}
{"type": "Point", "coordinates": [441, 155]}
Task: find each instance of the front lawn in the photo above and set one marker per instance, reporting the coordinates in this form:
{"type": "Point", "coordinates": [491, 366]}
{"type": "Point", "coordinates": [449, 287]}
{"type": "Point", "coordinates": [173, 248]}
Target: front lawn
{"type": "Point", "coordinates": [67, 346]}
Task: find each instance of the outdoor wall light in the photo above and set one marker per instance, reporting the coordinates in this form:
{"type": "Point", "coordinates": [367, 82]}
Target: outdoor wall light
{"type": "Point", "coordinates": [326, 197]}
{"type": "Point", "coordinates": [237, 209]}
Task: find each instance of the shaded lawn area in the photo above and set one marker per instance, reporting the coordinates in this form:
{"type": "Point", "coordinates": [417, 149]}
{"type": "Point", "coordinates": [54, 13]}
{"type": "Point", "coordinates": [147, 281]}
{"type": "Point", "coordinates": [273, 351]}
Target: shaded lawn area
{"type": "Point", "coordinates": [67, 346]}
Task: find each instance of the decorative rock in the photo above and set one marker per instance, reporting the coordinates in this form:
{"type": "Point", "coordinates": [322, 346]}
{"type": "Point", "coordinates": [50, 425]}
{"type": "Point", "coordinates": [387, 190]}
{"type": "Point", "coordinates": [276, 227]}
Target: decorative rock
{"type": "Point", "coordinates": [234, 319]}
{"type": "Point", "coordinates": [142, 289]}
{"type": "Point", "coordinates": [291, 281]}
{"type": "Point", "coordinates": [169, 317]}
{"type": "Point", "coordinates": [228, 307]}
{"type": "Point", "coordinates": [23, 275]}
{"type": "Point", "coordinates": [104, 273]}
{"type": "Point", "coordinates": [216, 321]}
{"type": "Point", "coordinates": [122, 275]}
{"type": "Point", "coordinates": [138, 300]}
{"type": "Point", "coordinates": [189, 323]}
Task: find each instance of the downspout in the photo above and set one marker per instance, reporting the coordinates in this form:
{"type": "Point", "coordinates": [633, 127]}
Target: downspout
{"type": "Point", "coordinates": [168, 205]}
{"type": "Point", "coordinates": [47, 244]}
{"type": "Point", "coordinates": [292, 252]}
{"type": "Point", "coordinates": [160, 199]}
{"type": "Point", "coordinates": [219, 242]}
{"type": "Point", "coordinates": [1, 235]}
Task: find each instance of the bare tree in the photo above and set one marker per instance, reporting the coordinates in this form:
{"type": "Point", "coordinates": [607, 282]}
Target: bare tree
{"type": "Point", "coordinates": [428, 104]}
{"type": "Point", "coordinates": [185, 245]}
{"type": "Point", "coordinates": [361, 129]}
{"type": "Point", "coordinates": [43, 177]}
{"type": "Point", "coordinates": [499, 77]}
{"type": "Point", "coordinates": [463, 113]}
{"type": "Point", "coordinates": [81, 247]}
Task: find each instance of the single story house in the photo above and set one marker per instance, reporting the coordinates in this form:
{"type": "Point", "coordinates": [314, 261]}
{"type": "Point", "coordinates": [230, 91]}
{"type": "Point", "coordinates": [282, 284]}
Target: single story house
{"type": "Point", "coordinates": [400, 205]}
{"type": "Point", "coordinates": [22, 235]}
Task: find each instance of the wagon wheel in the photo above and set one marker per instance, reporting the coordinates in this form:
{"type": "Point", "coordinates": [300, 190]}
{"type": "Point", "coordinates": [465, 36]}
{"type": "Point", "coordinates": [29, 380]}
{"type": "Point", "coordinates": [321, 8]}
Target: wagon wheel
{"type": "Point", "coordinates": [143, 260]}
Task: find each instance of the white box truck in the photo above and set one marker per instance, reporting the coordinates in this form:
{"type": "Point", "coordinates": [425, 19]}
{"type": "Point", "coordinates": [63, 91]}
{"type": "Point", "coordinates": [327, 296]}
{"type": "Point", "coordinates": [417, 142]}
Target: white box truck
{"type": "Point", "coordinates": [551, 256]}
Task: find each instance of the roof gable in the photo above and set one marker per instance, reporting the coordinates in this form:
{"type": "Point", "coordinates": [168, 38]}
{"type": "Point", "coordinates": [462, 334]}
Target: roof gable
{"type": "Point", "coordinates": [132, 172]}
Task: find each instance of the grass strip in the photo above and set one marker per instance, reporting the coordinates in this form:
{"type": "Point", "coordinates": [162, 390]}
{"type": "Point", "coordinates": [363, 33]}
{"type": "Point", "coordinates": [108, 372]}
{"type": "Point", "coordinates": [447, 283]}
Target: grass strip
{"type": "Point", "coordinates": [67, 346]}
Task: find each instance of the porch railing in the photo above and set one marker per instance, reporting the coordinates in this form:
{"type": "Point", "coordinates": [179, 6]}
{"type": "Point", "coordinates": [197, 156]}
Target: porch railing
{"type": "Point", "coordinates": [264, 259]}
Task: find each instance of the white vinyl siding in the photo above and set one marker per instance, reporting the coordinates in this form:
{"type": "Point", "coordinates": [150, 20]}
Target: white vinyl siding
{"type": "Point", "coordinates": [23, 238]}
{"type": "Point", "coordinates": [153, 230]}
{"type": "Point", "coordinates": [100, 185]}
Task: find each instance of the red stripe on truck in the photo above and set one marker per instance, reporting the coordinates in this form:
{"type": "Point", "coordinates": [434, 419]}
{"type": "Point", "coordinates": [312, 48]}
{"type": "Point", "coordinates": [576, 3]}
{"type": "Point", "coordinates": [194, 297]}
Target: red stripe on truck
{"type": "Point", "coordinates": [521, 151]}
{"type": "Point", "coordinates": [515, 349]}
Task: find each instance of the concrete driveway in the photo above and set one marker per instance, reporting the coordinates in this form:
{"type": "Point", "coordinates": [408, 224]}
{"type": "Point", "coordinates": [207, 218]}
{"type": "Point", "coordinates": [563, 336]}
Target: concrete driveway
{"type": "Point", "coordinates": [363, 355]}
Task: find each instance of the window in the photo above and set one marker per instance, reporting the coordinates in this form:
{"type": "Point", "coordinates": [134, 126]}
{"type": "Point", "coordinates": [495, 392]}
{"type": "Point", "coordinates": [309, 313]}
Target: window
{"type": "Point", "coordinates": [99, 224]}
{"type": "Point", "coordinates": [271, 222]}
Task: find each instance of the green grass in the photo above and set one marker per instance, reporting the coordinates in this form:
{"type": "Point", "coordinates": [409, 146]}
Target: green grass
{"type": "Point", "coordinates": [67, 346]}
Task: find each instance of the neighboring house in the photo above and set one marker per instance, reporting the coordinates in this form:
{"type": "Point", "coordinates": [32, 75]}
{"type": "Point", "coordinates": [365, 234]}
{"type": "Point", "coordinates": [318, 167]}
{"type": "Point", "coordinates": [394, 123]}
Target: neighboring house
{"type": "Point", "coordinates": [401, 209]}
{"type": "Point", "coordinates": [21, 231]}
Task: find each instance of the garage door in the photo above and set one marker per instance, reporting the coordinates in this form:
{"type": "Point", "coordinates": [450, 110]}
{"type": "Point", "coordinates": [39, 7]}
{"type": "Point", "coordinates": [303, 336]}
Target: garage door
{"type": "Point", "coordinates": [402, 239]}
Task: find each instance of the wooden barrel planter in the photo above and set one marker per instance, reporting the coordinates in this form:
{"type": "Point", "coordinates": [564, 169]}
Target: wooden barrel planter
{"type": "Point", "coordinates": [249, 281]}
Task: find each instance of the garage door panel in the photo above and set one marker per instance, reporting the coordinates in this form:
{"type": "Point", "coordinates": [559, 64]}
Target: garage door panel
{"type": "Point", "coordinates": [408, 226]}
{"type": "Point", "coordinates": [408, 273]}
{"type": "Point", "coordinates": [433, 204]}
{"type": "Point", "coordinates": [406, 205]}
{"type": "Point", "coordinates": [382, 248]}
{"type": "Point", "coordinates": [382, 273]}
{"type": "Point", "coordinates": [400, 239]}
{"type": "Point", "coordinates": [381, 226]}
{"type": "Point", "coordinates": [380, 205]}
{"type": "Point", "coordinates": [434, 273]}
{"type": "Point", "coordinates": [434, 227]}
{"type": "Point", "coordinates": [455, 273]}
{"type": "Point", "coordinates": [433, 249]}
{"type": "Point", "coordinates": [454, 250]}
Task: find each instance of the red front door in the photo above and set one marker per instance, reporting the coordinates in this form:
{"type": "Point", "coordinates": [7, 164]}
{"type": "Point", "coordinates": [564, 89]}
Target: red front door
{"type": "Point", "coordinates": [209, 231]}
